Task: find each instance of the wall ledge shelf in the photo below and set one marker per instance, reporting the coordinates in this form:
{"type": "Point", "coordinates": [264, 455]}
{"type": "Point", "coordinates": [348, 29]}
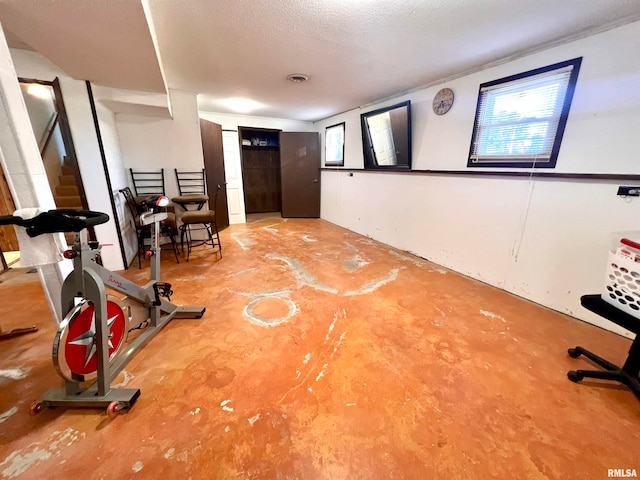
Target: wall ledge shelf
{"type": "Point", "coordinates": [260, 147]}
{"type": "Point", "coordinates": [551, 175]}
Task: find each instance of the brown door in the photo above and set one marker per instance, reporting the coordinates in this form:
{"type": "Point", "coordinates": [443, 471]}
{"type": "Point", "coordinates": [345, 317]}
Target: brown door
{"type": "Point", "coordinates": [300, 174]}
{"type": "Point", "coordinates": [8, 239]}
{"type": "Point", "coordinates": [211, 134]}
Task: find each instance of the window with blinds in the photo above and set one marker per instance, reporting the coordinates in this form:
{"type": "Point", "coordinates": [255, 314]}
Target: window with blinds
{"type": "Point", "coordinates": [520, 119]}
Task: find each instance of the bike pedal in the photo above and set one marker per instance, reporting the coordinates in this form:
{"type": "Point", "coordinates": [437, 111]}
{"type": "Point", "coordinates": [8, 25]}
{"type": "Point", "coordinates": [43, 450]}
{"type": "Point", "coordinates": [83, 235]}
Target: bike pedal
{"type": "Point", "coordinates": [163, 290]}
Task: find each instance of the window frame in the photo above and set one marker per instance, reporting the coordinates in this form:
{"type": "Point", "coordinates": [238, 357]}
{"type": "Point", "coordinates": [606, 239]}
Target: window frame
{"type": "Point", "coordinates": [370, 161]}
{"type": "Point", "coordinates": [340, 162]}
{"type": "Point", "coordinates": [529, 162]}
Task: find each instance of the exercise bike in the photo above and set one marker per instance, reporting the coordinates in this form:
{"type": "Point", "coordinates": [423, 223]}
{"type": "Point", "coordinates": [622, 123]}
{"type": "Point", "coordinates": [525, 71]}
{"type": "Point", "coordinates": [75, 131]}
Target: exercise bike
{"type": "Point", "coordinates": [89, 349]}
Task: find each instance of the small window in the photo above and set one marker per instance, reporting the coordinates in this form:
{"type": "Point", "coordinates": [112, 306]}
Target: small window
{"type": "Point", "coordinates": [520, 119]}
{"type": "Point", "coordinates": [334, 145]}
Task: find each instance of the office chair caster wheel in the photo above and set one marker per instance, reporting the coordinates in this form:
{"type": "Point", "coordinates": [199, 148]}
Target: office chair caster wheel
{"type": "Point", "coordinates": [35, 408]}
{"type": "Point", "coordinates": [114, 409]}
{"type": "Point", "coordinates": [573, 353]}
{"type": "Point", "coordinates": [574, 376]}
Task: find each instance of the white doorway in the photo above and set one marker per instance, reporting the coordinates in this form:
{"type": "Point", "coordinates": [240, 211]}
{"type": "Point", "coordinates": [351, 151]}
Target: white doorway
{"type": "Point", "coordinates": [233, 173]}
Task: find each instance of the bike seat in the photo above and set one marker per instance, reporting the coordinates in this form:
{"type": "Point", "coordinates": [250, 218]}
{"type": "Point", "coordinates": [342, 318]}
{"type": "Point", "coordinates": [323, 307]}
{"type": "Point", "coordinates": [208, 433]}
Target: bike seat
{"type": "Point", "coordinates": [154, 201]}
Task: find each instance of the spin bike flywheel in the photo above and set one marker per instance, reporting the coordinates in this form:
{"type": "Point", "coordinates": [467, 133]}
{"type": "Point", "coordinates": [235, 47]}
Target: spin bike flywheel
{"type": "Point", "coordinates": [75, 354]}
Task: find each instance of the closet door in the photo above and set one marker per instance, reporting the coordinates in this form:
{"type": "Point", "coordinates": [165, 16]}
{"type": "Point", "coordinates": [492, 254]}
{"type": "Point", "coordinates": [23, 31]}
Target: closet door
{"type": "Point", "coordinates": [300, 174]}
{"type": "Point", "coordinates": [261, 176]}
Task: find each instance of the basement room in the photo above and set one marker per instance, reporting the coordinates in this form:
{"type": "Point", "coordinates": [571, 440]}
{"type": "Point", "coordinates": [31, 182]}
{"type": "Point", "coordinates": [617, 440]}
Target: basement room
{"type": "Point", "coordinates": [319, 240]}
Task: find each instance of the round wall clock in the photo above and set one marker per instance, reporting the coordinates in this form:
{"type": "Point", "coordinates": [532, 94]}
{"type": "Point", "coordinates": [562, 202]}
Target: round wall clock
{"type": "Point", "coordinates": [443, 101]}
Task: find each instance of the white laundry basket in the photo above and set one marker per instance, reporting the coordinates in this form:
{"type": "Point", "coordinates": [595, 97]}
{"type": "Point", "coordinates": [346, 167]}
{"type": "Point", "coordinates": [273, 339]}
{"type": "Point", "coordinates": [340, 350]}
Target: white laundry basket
{"type": "Point", "coordinates": [622, 280]}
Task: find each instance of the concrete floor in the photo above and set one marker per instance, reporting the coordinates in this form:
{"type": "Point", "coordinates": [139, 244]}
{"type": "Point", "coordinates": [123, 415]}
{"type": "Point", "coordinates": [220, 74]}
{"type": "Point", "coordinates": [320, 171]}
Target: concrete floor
{"type": "Point", "coordinates": [325, 355]}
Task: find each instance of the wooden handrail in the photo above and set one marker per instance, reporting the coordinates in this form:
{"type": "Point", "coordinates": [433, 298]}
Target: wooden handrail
{"type": "Point", "coordinates": [53, 122]}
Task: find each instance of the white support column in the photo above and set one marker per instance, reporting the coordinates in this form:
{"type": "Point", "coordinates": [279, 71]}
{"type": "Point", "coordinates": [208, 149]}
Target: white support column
{"type": "Point", "coordinates": [20, 159]}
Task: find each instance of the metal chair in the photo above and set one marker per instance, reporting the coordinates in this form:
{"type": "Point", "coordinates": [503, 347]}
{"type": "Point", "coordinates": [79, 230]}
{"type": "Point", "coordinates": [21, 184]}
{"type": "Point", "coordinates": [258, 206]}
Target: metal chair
{"type": "Point", "coordinates": [167, 227]}
{"type": "Point", "coordinates": [192, 187]}
{"type": "Point", "coordinates": [191, 182]}
{"type": "Point", "coordinates": [200, 220]}
{"type": "Point", "coordinates": [147, 182]}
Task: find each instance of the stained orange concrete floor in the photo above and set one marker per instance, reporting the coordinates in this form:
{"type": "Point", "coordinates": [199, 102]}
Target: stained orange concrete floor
{"type": "Point", "coordinates": [325, 355]}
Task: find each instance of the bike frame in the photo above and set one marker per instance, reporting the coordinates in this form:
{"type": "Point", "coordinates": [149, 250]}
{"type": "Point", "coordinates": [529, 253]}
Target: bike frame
{"type": "Point", "coordinates": [89, 280]}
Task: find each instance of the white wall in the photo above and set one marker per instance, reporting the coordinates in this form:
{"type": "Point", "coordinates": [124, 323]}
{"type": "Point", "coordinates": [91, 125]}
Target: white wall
{"type": "Point", "coordinates": [543, 239]}
{"type": "Point", "coordinates": [149, 138]}
{"type": "Point", "coordinates": [115, 166]}
{"type": "Point", "coordinates": [232, 122]}
{"type": "Point", "coordinates": [154, 142]}
{"type": "Point", "coordinates": [30, 64]}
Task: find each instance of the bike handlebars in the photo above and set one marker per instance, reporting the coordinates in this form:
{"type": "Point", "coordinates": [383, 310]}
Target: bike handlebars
{"type": "Point", "coordinates": [54, 221]}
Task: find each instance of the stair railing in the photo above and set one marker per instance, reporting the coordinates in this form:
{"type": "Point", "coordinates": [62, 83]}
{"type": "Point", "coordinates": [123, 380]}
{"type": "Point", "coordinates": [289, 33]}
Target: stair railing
{"type": "Point", "coordinates": [48, 133]}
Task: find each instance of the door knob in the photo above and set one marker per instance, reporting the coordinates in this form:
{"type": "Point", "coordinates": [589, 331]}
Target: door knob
{"type": "Point", "coordinates": [315, 180]}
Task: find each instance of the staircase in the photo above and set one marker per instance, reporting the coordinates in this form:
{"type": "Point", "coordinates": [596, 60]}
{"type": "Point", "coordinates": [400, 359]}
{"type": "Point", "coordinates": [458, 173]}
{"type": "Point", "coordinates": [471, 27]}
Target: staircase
{"type": "Point", "coordinates": [66, 194]}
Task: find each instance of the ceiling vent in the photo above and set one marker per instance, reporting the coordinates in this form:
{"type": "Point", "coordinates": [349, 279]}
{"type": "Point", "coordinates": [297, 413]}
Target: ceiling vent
{"type": "Point", "coordinates": [298, 77]}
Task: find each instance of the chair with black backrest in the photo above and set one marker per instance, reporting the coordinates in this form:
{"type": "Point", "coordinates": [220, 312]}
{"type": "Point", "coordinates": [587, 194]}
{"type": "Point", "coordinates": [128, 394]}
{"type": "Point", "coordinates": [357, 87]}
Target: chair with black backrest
{"type": "Point", "coordinates": [194, 220]}
{"type": "Point", "coordinates": [147, 182]}
{"type": "Point", "coordinates": [192, 187]}
{"type": "Point", "coordinates": [628, 373]}
{"type": "Point", "coordinates": [167, 226]}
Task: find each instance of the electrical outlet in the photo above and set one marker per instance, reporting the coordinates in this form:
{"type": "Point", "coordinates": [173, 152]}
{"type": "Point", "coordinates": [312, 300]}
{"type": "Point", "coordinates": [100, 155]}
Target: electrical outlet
{"type": "Point", "coordinates": [629, 191]}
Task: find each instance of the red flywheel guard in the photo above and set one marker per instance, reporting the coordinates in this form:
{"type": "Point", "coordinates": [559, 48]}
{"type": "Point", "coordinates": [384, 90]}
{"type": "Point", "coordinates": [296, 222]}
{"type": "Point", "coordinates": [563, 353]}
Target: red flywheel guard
{"type": "Point", "coordinates": [77, 356]}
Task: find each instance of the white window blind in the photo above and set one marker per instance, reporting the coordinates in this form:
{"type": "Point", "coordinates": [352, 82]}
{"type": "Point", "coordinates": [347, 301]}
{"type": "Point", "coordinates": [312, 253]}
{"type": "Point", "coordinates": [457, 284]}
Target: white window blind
{"type": "Point", "coordinates": [519, 120]}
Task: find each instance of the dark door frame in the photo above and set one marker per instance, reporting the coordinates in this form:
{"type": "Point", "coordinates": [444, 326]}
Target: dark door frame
{"type": "Point", "coordinates": [65, 131]}
{"type": "Point", "coordinates": [67, 139]}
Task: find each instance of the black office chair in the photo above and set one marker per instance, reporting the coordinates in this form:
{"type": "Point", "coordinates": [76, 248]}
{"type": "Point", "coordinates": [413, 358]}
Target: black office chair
{"type": "Point", "coordinates": [167, 226]}
{"type": "Point", "coordinates": [628, 373]}
{"type": "Point", "coordinates": [147, 182]}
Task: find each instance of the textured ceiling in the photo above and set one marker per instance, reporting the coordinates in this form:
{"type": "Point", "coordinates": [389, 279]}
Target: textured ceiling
{"type": "Point", "coordinates": [355, 52]}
